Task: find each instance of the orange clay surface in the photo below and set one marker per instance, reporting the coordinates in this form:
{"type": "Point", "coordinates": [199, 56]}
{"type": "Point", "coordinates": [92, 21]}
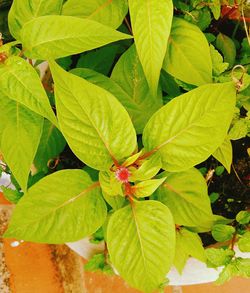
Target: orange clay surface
{"type": "Point", "coordinates": [32, 271]}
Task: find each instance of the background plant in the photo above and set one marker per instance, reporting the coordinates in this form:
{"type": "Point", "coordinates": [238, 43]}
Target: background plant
{"type": "Point", "coordinates": [140, 112]}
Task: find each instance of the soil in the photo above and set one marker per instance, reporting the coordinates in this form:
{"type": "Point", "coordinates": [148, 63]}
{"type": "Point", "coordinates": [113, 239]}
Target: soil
{"type": "Point", "coordinates": [233, 188]}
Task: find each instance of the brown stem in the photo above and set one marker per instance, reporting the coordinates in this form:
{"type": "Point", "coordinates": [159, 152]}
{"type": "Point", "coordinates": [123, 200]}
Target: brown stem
{"type": "Point", "coordinates": [236, 174]}
{"type": "Point", "coordinates": [233, 240]}
{"type": "Point", "coordinates": [128, 25]}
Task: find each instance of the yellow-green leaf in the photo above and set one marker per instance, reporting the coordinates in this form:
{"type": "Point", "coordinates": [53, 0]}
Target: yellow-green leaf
{"type": "Point", "coordinates": [141, 243]}
{"type": "Point", "coordinates": [63, 207]}
{"type": "Point", "coordinates": [107, 12]}
{"type": "Point", "coordinates": [20, 134]}
{"type": "Point", "coordinates": [181, 131]}
{"type": "Point", "coordinates": [96, 126]}
{"type": "Point", "coordinates": [188, 56]}
{"type": "Point", "coordinates": [224, 154]}
{"type": "Point", "coordinates": [151, 24]}
{"type": "Point", "coordinates": [56, 36]}
{"type": "Point", "coordinates": [23, 11]}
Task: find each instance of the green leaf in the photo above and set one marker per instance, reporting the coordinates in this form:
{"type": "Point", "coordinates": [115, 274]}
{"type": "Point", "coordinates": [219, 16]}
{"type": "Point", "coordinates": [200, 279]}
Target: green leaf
{"type": "Point", "coordinates": [110, 13]}
{"type": "Point", "coordinates": [116, 202]}
{"type": "Point", "coordinates": [51, 145]}
{"type": "Point", "coordinates": [148, 169]}
{"type": "Point", "coordinates": [181, 131]}
{"type": "Point", "coordinates": [128, 74]}
{"type": "Point", "coordinates": [94, 123]}
{"type": "Point", "coordinates": [244, 242]}
{"type": "Point", "coordinates": [199, 17]}
{"type": "Point", "coordinates": [222, 232]}
{"type": "Point", "coordinates": [238, 130]}
{"type": "Point", "coordinates": [224, 154]}
{"type": "Point", "coordinates": [218, 65]}
{"type": "Point", "coordinates": [20, 82]}
{"type": "Point", "coordinates": [213, 197]}
{"type": "Point", "coordinates": [23, 11]}
{"type": "Point", "coordinates": [132, 159]}
{"type": "Point", "coordinates": [219, 170]}
{"type": "Point", "coordinates": [139, 112]}
{"type": "Point", "coordinates": [186, 196]}
{"type": "Point", "coordinates": [20, 135]}
{"type": "Point", "coordinates": [187, 244]}
{"type": "Point", "coordinates": [188, 55]}
{"type": "Point", "coordinates": [11, 195]}
{"type": "Point", "coordinates": [227, 47]}
{"type": "Point", "coordinates": [151, 23]}
{"type": "Point", "coordinates": [100, 60]}
{"type": "Point", "coordinates": [237, 268]}
{"type": "Point", "coordinates": [43, 37]}
{"type": "Point", "coordinates": [227, 273]}
{"type": "Point", "coordinates": [218, 256]}
{"type": "Point", "coordinates": [147, 233]}
{"type": "Point", "coordinates": [63, 207]}
{"type": "Point", "coordinates": [216, 8]}
{"type": "Point", "coordinates": [243, 217]}
{"type": "Point", "coordinates": [109, 184]}
{"type": "Point", "coordinates": [146, 188]}
{"type": "Point", "coordinates": [98, 263]}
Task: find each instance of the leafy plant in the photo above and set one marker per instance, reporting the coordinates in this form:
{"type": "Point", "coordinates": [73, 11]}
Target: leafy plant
{"type": "Point", "coordinates": [140, 122]}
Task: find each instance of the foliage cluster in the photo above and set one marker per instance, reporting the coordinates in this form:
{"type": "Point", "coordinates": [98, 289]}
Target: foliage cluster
{"type": "Point", "coordinates": [141, 95]}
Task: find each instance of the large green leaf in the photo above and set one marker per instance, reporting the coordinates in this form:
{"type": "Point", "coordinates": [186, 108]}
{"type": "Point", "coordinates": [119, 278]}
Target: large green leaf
{"type": "Point", "coordinates": [137, 113]}
{"type": "Point", "coordinates": [62, 207]}
{"type": "Point", "coordinates": [96, 126]}
{"type": "Point", "coordinates": [110, 13]}
{"type": "Point", "coordinates": [224, 154]}
{"type": "Point", "coordinates": [20, 134]}
{"type": "Point", "coordinates": [23, 11]}
{"type": "Point", "coordinates": [19, 81]}
{"type": "Point", "coordinates": [56, 36]}
{"type": "Point", "coordinates": [128, 74]}
{"type": "Point", "coordinates": [51, 145]}
{"type": "Point", "coordinates": [188, 56]}
{"type": "Point", "coordinates": [186, 196]}
{"type": "Point", "coordinates": [187, 244]}
{"type": "Point", "coordinates": [151, 24]}
{"type": "Point", "coordinates": [141, 242]}
{"type": "Point", "coordinates": [192, 126]}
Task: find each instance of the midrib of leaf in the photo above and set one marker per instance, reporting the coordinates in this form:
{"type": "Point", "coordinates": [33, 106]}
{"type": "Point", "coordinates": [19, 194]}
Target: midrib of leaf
{"type": "Point", "coordinates": [170, 187]}
{"type": "Point", "coordinates": [140, 238]}
{"type": "Point", "coordinates": [98, 9]}
{"type": "Point", "coordinates": [69, 201]}
{"type": "Point", "coordinates": [135, 82]}
{"type": "Point", "coordinates": [70, 38]}
{"type": "Point", "coordinates": [150, 35]}
{"type": "Point", "coordinates": [173, 138]}
{"type": "Point", "coordinates": [37, 9]}
{"type": "Point", "coordinates": [183, 130]}
{"type": "Point", "coordinates": [181, 53]}
{"type": "Point", "coordinates": [12, 72]}
{"type": "Point", "coordinates": [96, 129]}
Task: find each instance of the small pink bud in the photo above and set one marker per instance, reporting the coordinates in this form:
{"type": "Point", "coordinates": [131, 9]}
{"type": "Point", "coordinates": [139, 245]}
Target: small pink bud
{"type": "Point", "coordinates": [122, 174]}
